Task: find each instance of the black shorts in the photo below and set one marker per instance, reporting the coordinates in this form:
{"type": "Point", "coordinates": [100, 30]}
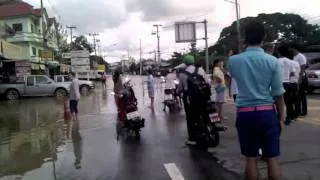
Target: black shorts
{"type": "Point", "coordinates": [73, 106]}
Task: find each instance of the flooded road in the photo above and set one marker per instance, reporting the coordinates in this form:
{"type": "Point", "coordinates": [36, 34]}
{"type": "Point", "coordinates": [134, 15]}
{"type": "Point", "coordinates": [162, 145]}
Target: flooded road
{"type": "Point", "coordinates": [36, 143]}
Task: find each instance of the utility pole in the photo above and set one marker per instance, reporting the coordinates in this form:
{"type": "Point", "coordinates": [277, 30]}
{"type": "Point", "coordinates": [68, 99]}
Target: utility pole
{"type": "Point", "coordinates": [238, 25]}
{"type": "Point", "coordinates": [42, 22]}
{"type": "Point", "coordinates": [238, 22]}
{"type": "Point", "coordinates": [71, 35]}
{"type": "Point", "coordinates": [158, 38]}
{"type": "Point", "coordinates": [140, 59]}
{"type": "Point", "coordinates": [94, 35]}
{"type": "Point", "coordinates": [206, 43]}
{"type": "Point", "coordinates": [95, 50]}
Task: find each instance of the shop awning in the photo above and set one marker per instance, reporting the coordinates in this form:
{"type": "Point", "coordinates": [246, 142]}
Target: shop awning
{"type": "Point", "coordinates": [35, 66]}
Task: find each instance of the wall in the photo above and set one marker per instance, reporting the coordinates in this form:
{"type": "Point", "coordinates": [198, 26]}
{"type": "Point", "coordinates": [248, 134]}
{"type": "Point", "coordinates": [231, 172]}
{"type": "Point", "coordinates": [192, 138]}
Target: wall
{"type": "Point", "coordinates": [16, 20]}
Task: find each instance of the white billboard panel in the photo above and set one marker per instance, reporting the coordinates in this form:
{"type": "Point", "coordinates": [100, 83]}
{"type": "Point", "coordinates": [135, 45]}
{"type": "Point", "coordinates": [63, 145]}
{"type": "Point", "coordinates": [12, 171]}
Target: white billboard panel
{"type": "Point", "coordinates": [75, 54]}
{"type": "Point", "coordinates": [80, 68]}
{"type": "Point", "coordinates": [80, 61]}
{"type": "Point", "coordinates": [185, 32]}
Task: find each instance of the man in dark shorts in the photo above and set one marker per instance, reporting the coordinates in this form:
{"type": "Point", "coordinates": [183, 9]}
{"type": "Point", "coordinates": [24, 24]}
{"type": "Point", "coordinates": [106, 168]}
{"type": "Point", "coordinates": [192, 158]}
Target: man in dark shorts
{"type": "Point", "coordinates": [260, 87]}
{"type": "Point", "coordinates": [74, 95]}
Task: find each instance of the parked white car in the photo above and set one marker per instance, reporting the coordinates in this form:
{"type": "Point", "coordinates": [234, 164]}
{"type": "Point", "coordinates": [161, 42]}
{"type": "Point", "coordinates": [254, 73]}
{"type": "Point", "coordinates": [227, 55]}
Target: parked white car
{"type": "Point", "coordinates": [85, 86]}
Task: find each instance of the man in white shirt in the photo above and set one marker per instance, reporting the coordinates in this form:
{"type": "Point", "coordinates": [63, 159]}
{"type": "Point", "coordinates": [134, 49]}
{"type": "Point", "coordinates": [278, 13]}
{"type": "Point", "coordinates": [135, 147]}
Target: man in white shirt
{"type": "Point", "coordinates": [301, 105]}
{"type": "Point", "coordinates": [74, 95]}
{"type": "Point", "coordinates": [288, 73]}
{"type": "Point", "coordinates": [294, 80]}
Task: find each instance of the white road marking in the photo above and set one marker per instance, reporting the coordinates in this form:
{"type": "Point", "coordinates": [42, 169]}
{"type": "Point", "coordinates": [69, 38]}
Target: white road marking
{"type": "Point", "coordinates": [173, 171]}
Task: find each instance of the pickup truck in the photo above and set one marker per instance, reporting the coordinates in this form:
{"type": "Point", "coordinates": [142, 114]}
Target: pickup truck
{"type": "Point", "coordinates": [34, 85]}
{"type": "Point", "coordinates": [85, 86]}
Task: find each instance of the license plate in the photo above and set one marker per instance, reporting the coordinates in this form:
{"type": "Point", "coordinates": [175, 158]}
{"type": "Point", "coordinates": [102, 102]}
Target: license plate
{"type": "Point", "coordinates": [214, 117]}
{"type": "Point", "coordinates": [133, 115]}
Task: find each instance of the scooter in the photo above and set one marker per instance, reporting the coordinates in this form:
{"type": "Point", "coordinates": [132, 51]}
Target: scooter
{"type": "Point", "coordinates": [171, 99]}
{"type": "Point", "coordinates": [133, 121]}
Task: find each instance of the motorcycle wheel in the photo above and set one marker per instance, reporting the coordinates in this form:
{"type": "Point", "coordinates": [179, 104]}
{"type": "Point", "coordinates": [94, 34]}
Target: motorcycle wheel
{"type": "Point", "coordinates": [137, 133]}
{"type": "Point", "coordinates": [213, 136]}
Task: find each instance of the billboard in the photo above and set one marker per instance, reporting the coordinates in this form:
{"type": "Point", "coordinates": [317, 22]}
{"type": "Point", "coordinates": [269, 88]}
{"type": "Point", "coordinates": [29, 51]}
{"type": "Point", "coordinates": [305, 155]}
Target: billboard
{"type": "Point", "coordinates": [76, 54]}
{"type": "Point", "coordinates": [185, 32]}
{"type": "Point", "coordinates": [46, 54]}
{"type": "Point", "coordinates": [80, 68]}
{"type": "Point", "coordinates": [80, 61]}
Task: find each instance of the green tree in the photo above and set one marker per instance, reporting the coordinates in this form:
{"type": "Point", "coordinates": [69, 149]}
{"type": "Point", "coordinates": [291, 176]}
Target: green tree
{"type": "Point", "coordinates": [280, 28]}
{"type": "Point", "coordinates": [176, 59]}
{"type": "Point", "coordinates": [81, 43]}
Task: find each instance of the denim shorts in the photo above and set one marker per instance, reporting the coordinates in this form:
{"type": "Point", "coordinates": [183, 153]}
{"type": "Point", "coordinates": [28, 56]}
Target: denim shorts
{"type": "Point", "coordinates": [259, 129]}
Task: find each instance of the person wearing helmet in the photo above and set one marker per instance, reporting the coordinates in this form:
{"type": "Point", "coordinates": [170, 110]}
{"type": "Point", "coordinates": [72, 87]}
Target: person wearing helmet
{"type": "Point", "coordinates": [189, 67]}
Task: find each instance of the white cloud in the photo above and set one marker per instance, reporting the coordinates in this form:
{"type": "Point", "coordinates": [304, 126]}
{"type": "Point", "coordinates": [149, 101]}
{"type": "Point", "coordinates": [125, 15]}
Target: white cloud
{"type": "Point", "coordinates": [126, 21]}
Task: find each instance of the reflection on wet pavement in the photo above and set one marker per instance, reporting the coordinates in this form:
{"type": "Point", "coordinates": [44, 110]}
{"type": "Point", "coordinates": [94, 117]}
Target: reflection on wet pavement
{"type": "Point", "coordinates": [37, 144]}
{"type": "Point", "coordinates": [32, 132]}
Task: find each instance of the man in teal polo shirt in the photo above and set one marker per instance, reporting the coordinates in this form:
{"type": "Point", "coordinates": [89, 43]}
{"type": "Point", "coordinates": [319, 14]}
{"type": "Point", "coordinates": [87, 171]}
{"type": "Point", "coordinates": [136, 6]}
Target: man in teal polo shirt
{"type": "Point", "coordinates": [260, 87]}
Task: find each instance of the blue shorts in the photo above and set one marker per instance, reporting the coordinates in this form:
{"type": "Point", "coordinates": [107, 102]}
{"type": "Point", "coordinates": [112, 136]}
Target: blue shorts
{"type": "Point", "coordinates": [259, 129]}
{"type": "Point", "coordinates": [73, 106]}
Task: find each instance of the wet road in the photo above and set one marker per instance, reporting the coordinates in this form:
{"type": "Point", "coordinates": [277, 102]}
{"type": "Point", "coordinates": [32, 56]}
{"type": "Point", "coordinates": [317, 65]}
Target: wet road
{"type": "Point", "coordinates": [35, 143]}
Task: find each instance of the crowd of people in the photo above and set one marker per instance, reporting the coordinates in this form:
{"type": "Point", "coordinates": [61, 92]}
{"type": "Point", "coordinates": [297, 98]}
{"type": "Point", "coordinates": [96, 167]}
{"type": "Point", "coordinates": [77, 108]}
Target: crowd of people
{"type": "Point", "coordinates": [267, 84]}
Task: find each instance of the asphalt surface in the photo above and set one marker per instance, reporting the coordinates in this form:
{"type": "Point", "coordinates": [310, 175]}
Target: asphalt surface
{"type": "Point", "coordinates": [35, 142]}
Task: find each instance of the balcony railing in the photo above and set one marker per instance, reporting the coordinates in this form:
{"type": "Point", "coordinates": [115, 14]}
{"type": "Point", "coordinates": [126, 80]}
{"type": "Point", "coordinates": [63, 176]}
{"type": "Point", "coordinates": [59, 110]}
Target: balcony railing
{"type": "Point", "coordinates": [26, 36]}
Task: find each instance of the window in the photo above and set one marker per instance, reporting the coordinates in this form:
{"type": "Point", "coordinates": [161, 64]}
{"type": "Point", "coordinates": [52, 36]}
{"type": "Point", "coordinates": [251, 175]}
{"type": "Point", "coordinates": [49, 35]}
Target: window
{"type": "Point", "coordinates": [59, 79]}
{"type": "Point", "coordinates": [67, 79]}
{"type": "Point", "coordinates": [32, 28]}
{"type": "Point", "coordinates": [39, 52]}
{"type": "Point", "coordinates": [17, 27]}
{"type": "Point", "coordinates": [41, 80]}
{"type": "Point", "coordinates": [314, 67]}
{"type": "Point", "coordinates": [34, 51]}
{"type": "Point", "coordinates": [30, 81]}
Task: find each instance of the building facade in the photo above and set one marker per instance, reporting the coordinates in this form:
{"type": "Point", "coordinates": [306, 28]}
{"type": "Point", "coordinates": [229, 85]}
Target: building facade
{"type": "Point", "coordinates": [34, 32]}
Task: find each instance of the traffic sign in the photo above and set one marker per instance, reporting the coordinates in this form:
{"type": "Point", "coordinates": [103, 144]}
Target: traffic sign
{"type": "Point", "coordinates": [77, 54]}
{"type": "Point", "coordinates": [80, 68]}
{"type": "Point", "coordinates": [80, 61]}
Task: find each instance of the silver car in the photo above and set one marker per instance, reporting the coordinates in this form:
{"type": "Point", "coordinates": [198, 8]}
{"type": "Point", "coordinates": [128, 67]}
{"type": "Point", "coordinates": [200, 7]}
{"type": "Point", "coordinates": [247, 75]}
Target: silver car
{"type": "Point", "coordinates": [313, 74]}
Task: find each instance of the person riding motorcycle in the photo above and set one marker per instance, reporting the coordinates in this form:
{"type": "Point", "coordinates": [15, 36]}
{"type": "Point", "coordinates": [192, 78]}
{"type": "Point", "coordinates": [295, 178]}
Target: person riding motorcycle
{"type": "Point", "coordinates": [190, 108]}
{"type": "Point", "coordinates": [118, 90]}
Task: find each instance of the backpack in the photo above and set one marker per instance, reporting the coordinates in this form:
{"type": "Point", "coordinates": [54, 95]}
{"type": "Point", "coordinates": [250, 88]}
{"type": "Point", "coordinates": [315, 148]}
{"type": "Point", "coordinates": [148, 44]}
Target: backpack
{"type": "Point", "coordinates": [199, 90]}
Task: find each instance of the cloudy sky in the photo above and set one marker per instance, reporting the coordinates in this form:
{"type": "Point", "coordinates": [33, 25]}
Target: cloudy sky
{"type": "Point", "coordinates": [124, 22]}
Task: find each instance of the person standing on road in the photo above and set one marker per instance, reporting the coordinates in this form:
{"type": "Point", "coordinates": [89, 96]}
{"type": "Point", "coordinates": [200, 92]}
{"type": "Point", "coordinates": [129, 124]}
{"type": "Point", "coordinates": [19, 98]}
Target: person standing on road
{"type": "Point", "coordinates": [220, 86]}
{"type": "Point", "coordinates": [259, 81]}
{"type": "Point", "coordinates": [288, 72]}
{"type": "Point", "coordinates": [269, 48]}
{"type": "Point", "coordinates": [301, 105]}
{"type": "Point", "coordinates": [74, 95]}
{"type": "Point", "coordinates": [151, 87]}
{"type": "Point", "coordinates": [104, 80]}
{"type": "Point", "coordinates": [191, 110]}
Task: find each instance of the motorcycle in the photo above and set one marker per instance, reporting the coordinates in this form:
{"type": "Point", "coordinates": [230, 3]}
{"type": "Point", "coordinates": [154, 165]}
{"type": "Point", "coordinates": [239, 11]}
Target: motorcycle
{"type": "Point", "coordinates": [171, 99]}
{"type": "Point", "coordinates": [210, 127]}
